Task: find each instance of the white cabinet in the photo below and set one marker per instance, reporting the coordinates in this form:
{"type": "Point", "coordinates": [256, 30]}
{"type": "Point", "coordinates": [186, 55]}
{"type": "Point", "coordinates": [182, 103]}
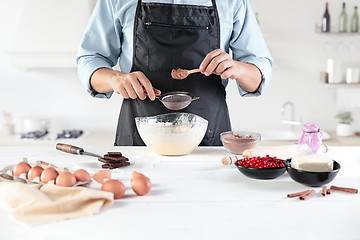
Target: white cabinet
{"type": "Point", "coordinates": [43, 33]}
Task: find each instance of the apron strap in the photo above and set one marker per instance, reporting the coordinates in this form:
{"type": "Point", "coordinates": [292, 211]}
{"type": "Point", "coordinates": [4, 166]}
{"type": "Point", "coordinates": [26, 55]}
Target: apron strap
{"type": "Point", "coordinates": [213, 3]}
{"type": "Point", "coordinates": [217, 22]}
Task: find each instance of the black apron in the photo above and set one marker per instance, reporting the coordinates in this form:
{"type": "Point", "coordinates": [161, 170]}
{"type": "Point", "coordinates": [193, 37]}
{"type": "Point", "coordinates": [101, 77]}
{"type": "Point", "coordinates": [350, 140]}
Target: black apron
{"type": "Point", "coordinates": [171, 36]}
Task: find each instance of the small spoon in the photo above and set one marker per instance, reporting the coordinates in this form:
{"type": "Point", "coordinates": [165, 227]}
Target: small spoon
{"type": "Point", "coordinates": [182, 73]}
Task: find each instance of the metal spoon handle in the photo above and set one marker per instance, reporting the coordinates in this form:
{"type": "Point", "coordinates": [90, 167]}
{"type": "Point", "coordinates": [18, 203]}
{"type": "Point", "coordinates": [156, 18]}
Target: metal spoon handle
{"type": "Point", "coordinates": [91, 154]}
{"type": "Point", "coordinates": [69, 148]}
{"type": "Point", "coordinates": [195, 98]}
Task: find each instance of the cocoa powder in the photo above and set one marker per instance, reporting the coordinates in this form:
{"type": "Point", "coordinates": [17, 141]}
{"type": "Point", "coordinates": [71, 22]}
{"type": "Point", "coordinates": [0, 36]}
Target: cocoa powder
{"type": "Point", "coordinates": [237, 144]}
{"type": "Point", "coordinates": [179, 73]}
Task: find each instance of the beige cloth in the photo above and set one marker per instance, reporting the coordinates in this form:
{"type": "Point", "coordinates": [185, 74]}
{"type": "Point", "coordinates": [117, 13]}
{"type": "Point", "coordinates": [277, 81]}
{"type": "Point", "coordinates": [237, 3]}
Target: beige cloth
{"type": "Point", "coordinates": [35, 204]}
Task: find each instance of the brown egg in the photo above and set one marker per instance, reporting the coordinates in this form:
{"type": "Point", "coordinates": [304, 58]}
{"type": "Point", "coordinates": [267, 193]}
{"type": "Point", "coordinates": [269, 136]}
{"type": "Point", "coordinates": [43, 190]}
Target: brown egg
{"type": "Point", "coordinates": [20, 168]}
{"type": "Point", "coordinates": [82, 176]}
{"type": "Point", "coordinates": [34, 172]}
{"type": "Point", "coordinates": [48, 174]}
{"type": "Point", "coordinates": [101, 175]}
{"type": "Point", "coordinates": [114, 186]}
{"type": "Point", "coordinates": [136, 174]}
{"type": "Point", "coordinates": [66, 179]}
{"type": "Point", "coordinates": [140, 184]}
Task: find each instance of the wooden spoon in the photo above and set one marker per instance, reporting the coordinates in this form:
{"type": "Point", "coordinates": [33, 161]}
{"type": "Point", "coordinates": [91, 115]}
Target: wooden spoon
{"type": "Point", "coordinates": [182, 73]}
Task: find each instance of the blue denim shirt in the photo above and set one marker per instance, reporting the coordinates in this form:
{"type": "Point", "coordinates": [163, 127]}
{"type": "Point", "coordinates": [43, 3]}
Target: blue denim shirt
{"type": "Point", "coordinates": [109, 38]}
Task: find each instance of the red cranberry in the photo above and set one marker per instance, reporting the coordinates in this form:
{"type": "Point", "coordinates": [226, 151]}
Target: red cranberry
{"type": "Point", "coordinates": [261, 162]}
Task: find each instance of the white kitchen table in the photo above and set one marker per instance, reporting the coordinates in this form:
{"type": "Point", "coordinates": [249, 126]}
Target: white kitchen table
{"type": "Point", "coordinates": [196, 197]}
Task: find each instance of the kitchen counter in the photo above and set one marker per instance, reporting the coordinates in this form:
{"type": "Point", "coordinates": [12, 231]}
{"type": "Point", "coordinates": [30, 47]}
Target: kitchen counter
{"type": "Point", "coordinates": [196, 197]}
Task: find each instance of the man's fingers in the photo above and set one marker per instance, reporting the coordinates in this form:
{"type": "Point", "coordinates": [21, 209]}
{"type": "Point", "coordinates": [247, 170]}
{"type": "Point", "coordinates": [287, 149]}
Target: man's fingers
{"type": "Point", "coordinates": [146, 84]}
{"type": "Point", "coordinates": [208, 59]}
{"type": "Point", "coordinates": [135, 85]}
{"type": "Point", "coordinates": [223, 66]}
{"type": "Point", "coordinates": [156, 91]}
{"type": "Point", "coordinates": [122, 92]}
{"type": "Point", "coordinates": [138, 88]}
{"type": "Point", "coordinates": [130, 90]}
{"type": "Point", "coordinates": [214, 63]}
{"type": "Point", "coordinates": [228, 73]}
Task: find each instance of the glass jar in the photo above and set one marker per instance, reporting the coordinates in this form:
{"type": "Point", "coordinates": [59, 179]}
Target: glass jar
{"type": "Point", "coordinates": [312, 137]}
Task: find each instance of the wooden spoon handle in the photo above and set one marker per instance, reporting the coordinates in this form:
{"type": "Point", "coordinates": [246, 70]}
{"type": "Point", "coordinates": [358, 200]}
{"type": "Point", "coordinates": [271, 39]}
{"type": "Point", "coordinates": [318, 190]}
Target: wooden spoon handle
{"type": "Point", "coordinates": [69, 148]}
{"type": "Point", "coordinates": [194, 71]}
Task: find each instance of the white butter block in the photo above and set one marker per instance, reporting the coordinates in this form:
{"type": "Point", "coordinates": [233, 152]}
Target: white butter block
{"type": "Point", "coordinates": [312, 163]}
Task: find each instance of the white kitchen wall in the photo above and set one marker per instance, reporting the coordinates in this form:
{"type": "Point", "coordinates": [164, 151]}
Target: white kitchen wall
{"type": "Point", "coordinates": [300, 54]}
{"type": "Point", "coordinates": [289, 29]}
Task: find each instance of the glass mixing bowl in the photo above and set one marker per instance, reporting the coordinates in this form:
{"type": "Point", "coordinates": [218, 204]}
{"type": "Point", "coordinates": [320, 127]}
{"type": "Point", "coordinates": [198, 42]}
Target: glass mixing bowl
{"type": "Point", "coordinates": [172, 133]}
{"type": "Point", "coordinates": [238, 141]}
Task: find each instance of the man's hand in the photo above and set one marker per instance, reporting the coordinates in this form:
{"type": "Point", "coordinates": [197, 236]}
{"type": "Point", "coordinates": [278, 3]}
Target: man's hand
{"type": "Point", "coordinates": [128, 85]}
{"type": "Point", "coordinates": [220, 63]}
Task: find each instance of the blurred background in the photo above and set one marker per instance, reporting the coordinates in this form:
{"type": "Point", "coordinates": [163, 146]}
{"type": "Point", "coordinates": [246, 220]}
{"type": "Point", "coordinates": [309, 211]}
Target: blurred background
{"type": "Point", "coordinates": [38, 80]}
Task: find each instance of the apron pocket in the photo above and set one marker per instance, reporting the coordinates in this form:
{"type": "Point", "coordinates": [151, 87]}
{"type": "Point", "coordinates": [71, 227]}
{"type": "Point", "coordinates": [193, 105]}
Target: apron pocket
{"type": "Point", "coordinates": [169, 45]}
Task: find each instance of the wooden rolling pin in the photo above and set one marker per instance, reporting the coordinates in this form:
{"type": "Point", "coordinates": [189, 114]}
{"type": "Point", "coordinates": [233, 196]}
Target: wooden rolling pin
{"type": "Point", "coordinates": [281, 152]}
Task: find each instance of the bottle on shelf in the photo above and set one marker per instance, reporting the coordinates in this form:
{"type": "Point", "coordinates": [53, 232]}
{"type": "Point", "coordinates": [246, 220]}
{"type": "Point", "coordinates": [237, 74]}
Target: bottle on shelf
{"type": "Point", "coordinates": [325, 22]}
{"type": "Point", "coordinates": [343, 19]}
{"type": "Point", "coordinates": [257, 18]}
{"type": "Point", "coordinates": [355, 21]}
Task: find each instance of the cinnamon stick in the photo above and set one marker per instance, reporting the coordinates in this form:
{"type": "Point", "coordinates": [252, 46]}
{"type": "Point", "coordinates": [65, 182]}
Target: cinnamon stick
{"type": "Point", "coordinates": [307, 195]}
{"type": "Point", "coordinates": [292, 195]}
{"type": "Point", "coordinates": [324, 190]}
{"type": "Point", "coordinates": [328, 191]}
{"type": "Point", "coordinates": [343, 189]}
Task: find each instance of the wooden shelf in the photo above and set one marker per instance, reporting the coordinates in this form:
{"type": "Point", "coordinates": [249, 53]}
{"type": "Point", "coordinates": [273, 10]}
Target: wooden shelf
{"type": "Point", "coordinates": [342, 85]}
{"type": "Point", "coordinates": [339, 33]}
{"type": "Point", "coordinates": [333, 33]}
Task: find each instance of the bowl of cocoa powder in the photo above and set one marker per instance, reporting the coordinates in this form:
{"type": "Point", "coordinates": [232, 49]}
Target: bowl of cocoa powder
{"type": "Point", "coordinates": [238, 141]}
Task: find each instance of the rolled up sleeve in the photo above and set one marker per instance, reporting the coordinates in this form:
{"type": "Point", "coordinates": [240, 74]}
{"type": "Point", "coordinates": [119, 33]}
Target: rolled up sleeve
{"type": "Point", "coordinates": [100, 46]}
{"type": "Point", "coordinates": [248, 45]}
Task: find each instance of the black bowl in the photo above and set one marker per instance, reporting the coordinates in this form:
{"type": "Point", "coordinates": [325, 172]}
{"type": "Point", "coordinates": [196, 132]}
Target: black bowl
{"type": "Point", "coordinates": [261, 173]}
{"type": "Point", "coordinates": [312, 179]}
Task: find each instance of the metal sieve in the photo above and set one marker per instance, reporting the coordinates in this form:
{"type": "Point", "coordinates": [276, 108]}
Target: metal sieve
{"type": "Point", "coordinates": [176, 100]}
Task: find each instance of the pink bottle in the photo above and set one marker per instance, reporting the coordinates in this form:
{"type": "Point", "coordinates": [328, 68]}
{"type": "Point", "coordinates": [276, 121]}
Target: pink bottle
{"type": "Point", "coordinates": [311, 136]}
